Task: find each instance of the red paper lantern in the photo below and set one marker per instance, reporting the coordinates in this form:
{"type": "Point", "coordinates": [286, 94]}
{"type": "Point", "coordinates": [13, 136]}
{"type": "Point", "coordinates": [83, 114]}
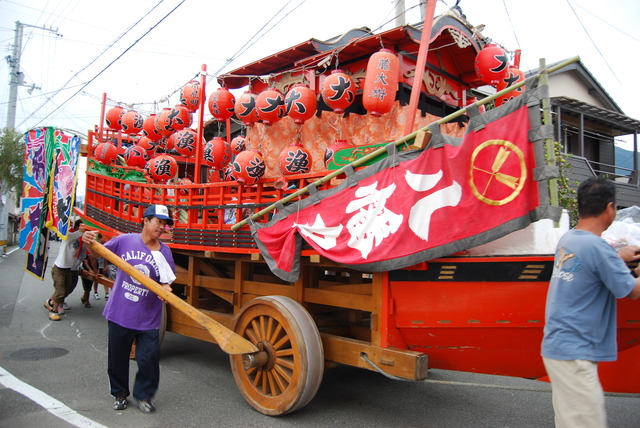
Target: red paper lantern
{"type": "Point", "coordinates": [164, 122]}
{"type": "Point", "coordinates": [171, 141]}
{"type": "Point", "coordinates": [132, 122]}
{"type": "Point", "coordinates": [246, 109]}
{"type": "Point", "coordinates": [149, 128]}
{"type": "Point", "coordinates": [186, 142]}
{"type": "Point", "coordinates": [216, 153]}
{"type": "Point", "coordinates": [227, 173]}
{"type": "Point", "coordinates": [181, 117]}
{"type": "Point", "coordinates": [270, 106]}
{"type": "Point", "coordinates": [136, 156]}
{"type": "Point", "coordinates": [301, 103]}
{"type": "Point", "coordinates": [381, 82]}
{"type": "Point", "coordinates": [113, 118]}
{"type": "Point", "coordinates": [190, 95]}
{"type": "Point", "coordinates": [238, 144]}
{"type": "Point", "coordinates": [222, 104]}
{"type": "Point", "coordinates": [511, 77]}
{"type": "Point", "coordinates": [331, 150]}
{"type": "Point", "coordinates": [295, 159]}
{"type": "Point", "coordinates": [338, 91]}
{"type": "Point", "coordinates": [161, 168]}
{"type": "Point", "coordinates": [106, 153]}
{"type": "Point", "coordinates": [491, 64]}
{"type": "Point", "coordinates": [248, 167]}
{"type": "Point", "coordinates": [148, 145]}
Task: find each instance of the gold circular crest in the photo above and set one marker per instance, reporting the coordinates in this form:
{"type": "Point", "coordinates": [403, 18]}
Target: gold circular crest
{"type": "Point", "coordinates": [486, 176]}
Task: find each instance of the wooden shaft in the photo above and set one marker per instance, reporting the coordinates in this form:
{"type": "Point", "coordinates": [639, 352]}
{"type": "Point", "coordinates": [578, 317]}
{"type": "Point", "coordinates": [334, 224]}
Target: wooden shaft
{"type": "Point", "coordinates": [229, 341]}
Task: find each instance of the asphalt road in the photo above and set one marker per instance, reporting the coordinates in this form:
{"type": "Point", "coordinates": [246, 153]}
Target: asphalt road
{"type": "Point", "coordinates": [53, 374]}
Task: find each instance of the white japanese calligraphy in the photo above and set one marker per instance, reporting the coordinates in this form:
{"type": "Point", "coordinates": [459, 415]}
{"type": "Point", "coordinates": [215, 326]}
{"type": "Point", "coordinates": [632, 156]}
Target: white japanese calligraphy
{"type": "Point", "coordinates": [372, 221]}
{"type": "Point", "coordinates": [421, 212]}
{"type": "Point", "coordinates": [322, 235]}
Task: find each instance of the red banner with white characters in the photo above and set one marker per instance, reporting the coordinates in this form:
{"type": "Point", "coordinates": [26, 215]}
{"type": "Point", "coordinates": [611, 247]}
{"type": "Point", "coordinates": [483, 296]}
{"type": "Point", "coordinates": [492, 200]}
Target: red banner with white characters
{"type": "Point", "coordinates": [421, 205]}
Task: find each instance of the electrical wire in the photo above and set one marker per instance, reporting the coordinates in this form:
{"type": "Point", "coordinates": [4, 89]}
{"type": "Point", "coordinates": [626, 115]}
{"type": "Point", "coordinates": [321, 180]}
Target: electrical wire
{"type": "Point", "coordinates": [93, 61]}
{"type": "Point", "coordinates": [593, 42]}
{"type": "Point", "coordinates": [109, 65]}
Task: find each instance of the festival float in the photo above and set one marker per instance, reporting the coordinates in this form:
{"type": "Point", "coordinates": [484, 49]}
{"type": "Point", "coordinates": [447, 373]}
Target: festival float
{"type": "Point", "coordinates": [370, 211]}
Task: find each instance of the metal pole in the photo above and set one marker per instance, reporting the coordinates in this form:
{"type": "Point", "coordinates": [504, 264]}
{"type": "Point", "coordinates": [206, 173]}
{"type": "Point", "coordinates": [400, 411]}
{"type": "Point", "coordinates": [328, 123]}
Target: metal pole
{"type": "Point", "coordinates": [400, 13]}
{"type": "Point", "coordinates": [398, 142]}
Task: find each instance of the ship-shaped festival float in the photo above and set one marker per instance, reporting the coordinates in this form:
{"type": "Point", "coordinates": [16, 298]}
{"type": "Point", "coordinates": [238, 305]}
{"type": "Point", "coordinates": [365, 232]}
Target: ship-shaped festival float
{"type": "Point", "coordinates": [352, 202]}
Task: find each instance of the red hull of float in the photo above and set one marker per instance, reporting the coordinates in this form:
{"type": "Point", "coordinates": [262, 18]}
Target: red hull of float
{"type": "Point", "coordinates": [492, 327]}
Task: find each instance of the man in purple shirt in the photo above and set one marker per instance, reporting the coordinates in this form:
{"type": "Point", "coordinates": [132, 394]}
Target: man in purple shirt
{"type": "Point", "coordinates": [134, 312]}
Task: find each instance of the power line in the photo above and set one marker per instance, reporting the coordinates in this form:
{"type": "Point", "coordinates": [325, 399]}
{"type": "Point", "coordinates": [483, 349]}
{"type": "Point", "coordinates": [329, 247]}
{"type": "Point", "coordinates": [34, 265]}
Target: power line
{"type": "Point", "coordinates": [109, 65]}
{"type": "Point", "coordinates": [92, 61]}
{"type": "Point", "coordinates": [593, 42]}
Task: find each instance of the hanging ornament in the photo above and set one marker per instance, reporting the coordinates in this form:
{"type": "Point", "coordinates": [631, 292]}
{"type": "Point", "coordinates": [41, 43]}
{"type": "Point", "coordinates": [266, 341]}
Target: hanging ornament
{"type": "Point", "coordinates": [331, 150]}
{"type": "Point", "coordinates": [222, 104]}
{"type": "Point", "coordinates": [338, 91]}
{"type": "Point", "coordinates": [301, 103]}
{"type": "Point", "coordinates": [511, 77]}
{"type": "Point", "coordinates": [185, 143]}
{"type": "Point", "coordinates": [238, 144]}
{"type": "Point", "coordinates": [164, 123]}
{"type": "Point", "coordinates": [216, 153]}
{"type": "Point", "coordinates": [246, 108]}
{"type": "Point", "coordinates": [136, 156]}
{"type": "Point", "coordinates": [106, 153]}
{"type": "Point", "coordinates": [113, 118]}
{"type": "Point", "coordinates": [132, 122]}
{"type": "Point", "coordinates": [161, 168]}
{"type": "Point", "coordinates": [248, 167]}
{"type": "Point", "coordinates": [190, 95]}
{"type": "Point", "coordinates": [148, 145]}
{"type": "Point", "coordinates": [181, 117]}
{"type": "Point", "coordinates": [295, 159]}
{"type": "Point", "coordinates": [270, 106]}
{"type": "Point", "coordinates": [149, 128]}
{"type": "Point", "coordinates": [491, 64]}
{"type": "Point", "coordinates": [381, 82]}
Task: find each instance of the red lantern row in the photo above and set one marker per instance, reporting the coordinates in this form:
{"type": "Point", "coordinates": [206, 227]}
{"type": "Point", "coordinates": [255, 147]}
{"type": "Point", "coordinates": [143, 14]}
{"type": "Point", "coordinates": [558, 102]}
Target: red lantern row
{"type": "Point", "coordinates": [492, 67]}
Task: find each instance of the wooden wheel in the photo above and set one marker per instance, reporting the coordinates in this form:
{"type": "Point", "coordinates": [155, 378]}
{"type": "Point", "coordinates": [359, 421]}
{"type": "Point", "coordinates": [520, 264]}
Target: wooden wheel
{"type": "Point", "coordinates": [286, 374]}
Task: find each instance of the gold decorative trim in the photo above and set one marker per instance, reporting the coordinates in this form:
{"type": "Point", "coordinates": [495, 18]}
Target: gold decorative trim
{"type": "Point", "coordinates": [434, 84]}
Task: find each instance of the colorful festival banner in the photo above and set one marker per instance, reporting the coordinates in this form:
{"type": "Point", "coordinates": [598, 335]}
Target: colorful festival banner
{"type": "Point", "coordinates": [37, 166]}
{"type": "Point", "coordinates": [37, 264]}
{"type": "Point", "coordinates": [50, 174]}
{"type": "Point", "coordinates": [62, 186]}
{"type": "Point", "coordinates": [418, 205]}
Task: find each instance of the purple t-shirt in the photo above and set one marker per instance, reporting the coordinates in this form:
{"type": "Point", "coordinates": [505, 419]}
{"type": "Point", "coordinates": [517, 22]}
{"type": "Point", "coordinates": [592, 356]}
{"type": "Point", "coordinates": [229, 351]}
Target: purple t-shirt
{"type": "Point", "coordinates": [131, 304]}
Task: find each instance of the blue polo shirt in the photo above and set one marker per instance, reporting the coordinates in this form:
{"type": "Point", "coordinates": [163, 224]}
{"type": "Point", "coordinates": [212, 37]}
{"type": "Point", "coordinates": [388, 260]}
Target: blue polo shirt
{"type": "Point", "coordinates": [588, 276]}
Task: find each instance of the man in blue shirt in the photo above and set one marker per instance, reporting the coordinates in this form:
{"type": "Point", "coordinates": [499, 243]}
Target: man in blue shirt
{"type": "Point", "coordinates": [580, 329]}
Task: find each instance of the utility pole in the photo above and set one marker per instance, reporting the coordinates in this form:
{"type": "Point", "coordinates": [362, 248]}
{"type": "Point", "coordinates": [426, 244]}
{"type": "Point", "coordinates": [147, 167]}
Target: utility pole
{"type": "Point", "coordinates": [17, 79]}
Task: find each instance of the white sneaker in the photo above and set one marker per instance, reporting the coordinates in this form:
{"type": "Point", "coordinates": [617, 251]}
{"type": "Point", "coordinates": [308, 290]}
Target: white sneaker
{"type": "Point", "coordinates": [64, 306]}
{"type": "Point", "coordinates": [96, 296]}
{"type": "Point", "coordinates": [106, 297]}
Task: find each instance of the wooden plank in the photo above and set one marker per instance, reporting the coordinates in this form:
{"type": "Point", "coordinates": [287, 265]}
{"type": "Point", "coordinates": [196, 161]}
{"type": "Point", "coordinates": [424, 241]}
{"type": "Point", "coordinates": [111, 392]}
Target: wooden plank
{"type": "Point", "coordinates": [338, 299]}
{"type": "Point", "coordinates": [396, 362]}
{"type": "Point", "coordinates": [268, 289]}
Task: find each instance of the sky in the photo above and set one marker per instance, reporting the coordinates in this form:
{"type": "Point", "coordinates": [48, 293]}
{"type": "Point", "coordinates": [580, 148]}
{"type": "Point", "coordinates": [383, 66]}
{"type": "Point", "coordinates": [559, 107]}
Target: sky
{"type": "Point", "coordinates": [141, 52]}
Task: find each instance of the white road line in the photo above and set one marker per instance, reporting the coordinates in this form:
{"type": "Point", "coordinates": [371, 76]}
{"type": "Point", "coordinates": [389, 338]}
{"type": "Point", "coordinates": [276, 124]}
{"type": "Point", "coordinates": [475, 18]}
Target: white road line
{"type": "Point", "coordinates": [49, 403]}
